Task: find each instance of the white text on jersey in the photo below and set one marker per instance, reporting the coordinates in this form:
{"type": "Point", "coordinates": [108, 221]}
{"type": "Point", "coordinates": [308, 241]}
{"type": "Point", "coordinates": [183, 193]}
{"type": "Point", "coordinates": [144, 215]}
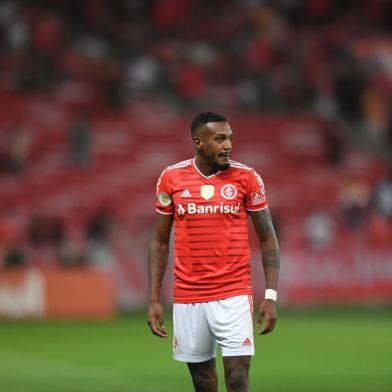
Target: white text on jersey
{"type": "Point", "coordinates": [193, 208]}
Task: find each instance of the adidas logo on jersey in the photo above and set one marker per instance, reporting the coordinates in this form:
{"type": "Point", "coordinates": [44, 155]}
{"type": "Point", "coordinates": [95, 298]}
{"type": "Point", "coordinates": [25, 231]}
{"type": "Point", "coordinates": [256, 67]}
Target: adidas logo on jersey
{"type": "Point", "coordinates": [186, 193]}
{"type": "Point", "coordinates": [193, 208]}
{"type": "Point", "coordinates": [246, 342]}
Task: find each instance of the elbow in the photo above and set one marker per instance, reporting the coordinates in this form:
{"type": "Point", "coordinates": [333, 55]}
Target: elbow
{"type": "Point", "coordinates": [159, 245]}
{"type": "Point", "coordinates": [269, 240]}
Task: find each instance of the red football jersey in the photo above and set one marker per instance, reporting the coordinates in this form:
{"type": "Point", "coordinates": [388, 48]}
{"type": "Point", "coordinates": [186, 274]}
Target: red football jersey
{"type": "Point", "coordinates": [211, 248]}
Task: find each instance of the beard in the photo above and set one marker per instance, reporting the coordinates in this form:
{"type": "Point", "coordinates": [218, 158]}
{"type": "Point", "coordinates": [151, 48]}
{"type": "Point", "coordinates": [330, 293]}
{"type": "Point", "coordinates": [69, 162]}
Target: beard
{"type": "Point", "coordinates": [220, 167]}
{"type": "Point", "coordinates": [211, 159]}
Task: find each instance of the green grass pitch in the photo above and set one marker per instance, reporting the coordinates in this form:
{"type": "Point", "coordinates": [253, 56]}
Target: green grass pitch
{"type": "Point", "coordinates": [309, 351]}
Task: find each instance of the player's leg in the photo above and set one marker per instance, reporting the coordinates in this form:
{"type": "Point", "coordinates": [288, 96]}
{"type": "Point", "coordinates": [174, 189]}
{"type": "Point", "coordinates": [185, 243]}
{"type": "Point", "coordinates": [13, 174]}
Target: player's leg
{"type": "Point", "coordinates": [231, 321]}
{"type": "Point", "coordinates": [204, 376]}
{"type": "Point", "coordinates": [194, 344]}
{"type": "Point", "coordinates": [237, 373]}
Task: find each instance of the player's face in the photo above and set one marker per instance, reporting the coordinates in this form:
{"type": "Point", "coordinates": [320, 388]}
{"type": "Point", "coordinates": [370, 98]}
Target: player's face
{"type": "Point", "coordinates": [214, 144]}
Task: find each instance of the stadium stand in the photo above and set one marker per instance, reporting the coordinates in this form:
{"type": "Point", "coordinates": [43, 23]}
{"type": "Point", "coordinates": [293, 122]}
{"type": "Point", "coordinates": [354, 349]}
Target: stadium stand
{"type": "Point", "coordinates": [308, 102]}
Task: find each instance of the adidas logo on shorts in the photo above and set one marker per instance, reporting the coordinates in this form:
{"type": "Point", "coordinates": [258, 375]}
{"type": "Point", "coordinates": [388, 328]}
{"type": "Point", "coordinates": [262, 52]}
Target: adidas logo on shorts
{"type": "Point", "coordinates": [246, 342]}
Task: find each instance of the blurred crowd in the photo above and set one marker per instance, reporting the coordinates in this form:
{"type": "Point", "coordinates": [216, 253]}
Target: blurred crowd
{"type": "Point", "coordinates": [362, 217]}
{"type": "Point", "coordinates": [326, 56]}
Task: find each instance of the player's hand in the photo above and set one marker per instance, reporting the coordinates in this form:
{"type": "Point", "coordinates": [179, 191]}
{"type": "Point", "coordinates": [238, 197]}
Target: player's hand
{"type": "Point", "coordinates": [267, 311]}
{"type": "Point", "coordinates": [155, 320]}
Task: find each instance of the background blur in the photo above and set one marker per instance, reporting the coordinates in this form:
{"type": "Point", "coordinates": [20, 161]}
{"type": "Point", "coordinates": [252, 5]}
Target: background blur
{"type": "Point", "coordinates": [96, 99]}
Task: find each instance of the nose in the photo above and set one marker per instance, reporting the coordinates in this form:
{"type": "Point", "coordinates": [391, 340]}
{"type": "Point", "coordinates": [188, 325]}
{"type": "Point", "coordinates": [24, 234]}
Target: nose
{"type": "Point", "coordinates": [227, 145]}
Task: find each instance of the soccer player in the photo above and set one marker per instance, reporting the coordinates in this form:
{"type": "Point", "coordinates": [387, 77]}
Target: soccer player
{"type": "Point", "coordinates": [208, 199]}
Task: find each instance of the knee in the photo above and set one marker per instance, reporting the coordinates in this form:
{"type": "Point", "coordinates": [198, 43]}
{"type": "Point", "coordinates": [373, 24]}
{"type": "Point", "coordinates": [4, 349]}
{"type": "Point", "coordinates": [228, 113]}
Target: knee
{"type": "Point", "coordinates": [204, 381]}
{"type": "Point", "coordinates": [237, 380]}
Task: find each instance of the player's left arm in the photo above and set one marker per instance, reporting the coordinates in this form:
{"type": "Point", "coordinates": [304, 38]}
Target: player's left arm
{"type": "Point", "coordinates": [271, 262]}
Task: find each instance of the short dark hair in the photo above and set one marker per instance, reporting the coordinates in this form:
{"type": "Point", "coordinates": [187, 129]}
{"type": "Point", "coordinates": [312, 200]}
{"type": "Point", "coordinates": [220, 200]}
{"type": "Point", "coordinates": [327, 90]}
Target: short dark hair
{"type": "Point", "coordinates": [203, 118]}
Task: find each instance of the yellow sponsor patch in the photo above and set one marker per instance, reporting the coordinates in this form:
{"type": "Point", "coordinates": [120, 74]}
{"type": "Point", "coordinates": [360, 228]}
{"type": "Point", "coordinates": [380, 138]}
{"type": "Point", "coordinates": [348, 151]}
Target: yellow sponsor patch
{"type": "Point", "coordinates": [207, 191]}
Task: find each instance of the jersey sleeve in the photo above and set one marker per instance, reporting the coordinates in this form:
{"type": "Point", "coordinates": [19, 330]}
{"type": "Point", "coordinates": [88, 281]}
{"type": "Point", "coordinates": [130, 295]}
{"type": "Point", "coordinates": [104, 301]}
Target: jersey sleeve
{"type": "Point", "coordinates": [164, 200]}
{"type": "Point", "coordinates": [256, 198]}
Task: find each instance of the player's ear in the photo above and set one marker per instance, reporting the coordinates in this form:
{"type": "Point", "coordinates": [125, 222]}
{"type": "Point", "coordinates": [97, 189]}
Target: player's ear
{"type": "Point", "coordinates": [197, 142]}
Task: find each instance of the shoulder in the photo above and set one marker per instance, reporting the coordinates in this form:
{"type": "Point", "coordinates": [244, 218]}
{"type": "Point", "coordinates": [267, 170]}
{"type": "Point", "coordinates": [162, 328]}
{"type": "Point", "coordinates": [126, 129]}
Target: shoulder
{"type": "Point", "coordinates": [246, 172]}
{"type": "Point", "coordinates": [240, 166]}
{"type": "Point", "coordinates": [179, 165]}
{"type": "Point", "coordinates": [173, 169]}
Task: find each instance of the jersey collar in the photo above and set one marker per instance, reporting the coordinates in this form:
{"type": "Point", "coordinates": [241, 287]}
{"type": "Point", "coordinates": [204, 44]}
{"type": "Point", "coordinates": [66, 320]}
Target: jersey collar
{"type": "Point", "coordinates": [197, 169]}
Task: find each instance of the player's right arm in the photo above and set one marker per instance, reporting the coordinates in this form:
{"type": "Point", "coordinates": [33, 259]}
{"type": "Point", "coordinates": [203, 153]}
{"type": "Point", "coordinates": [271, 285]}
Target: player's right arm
{"type": "Point", "coordinates": [158, 256]}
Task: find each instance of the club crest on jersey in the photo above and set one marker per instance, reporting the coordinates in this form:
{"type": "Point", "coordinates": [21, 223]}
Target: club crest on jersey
{"type": "Point", "coordinates": [165, 199]}
{"type": "Point", "coordinates": [229, 192]}
{"type": "Point", "coordinates": [207, 191]}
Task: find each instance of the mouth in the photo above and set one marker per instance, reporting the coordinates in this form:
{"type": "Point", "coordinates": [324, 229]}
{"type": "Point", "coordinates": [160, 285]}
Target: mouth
{"type": "Point", "coordinates": [225, 154]}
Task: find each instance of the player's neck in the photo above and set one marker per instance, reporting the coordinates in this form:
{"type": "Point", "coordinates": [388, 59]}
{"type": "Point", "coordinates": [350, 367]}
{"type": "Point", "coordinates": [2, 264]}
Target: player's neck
{"type": "Point", "coordinates": [204, 168]}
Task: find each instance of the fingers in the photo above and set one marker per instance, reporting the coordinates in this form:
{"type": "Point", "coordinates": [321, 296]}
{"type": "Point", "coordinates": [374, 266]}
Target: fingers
{"type": "Point", "coordinates": [269, 327]}
{"type": "Point", "coordinates": [267, 311]}
{"type": "Point", "coordinates": [157, 328]}
{"type": "Point", "coordinates": [163, 330]}
{"type": "Point", "coordinates": [155, 320]}
{"type": "Point", "coordinates": [260, 319]}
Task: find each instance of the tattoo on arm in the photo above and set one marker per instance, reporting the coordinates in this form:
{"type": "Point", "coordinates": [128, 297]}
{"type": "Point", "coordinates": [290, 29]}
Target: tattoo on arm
{"type": "Point", "coordinates": [269, 245]}
{"type": "Point", "coordinates": [263, 224]}
{"type": "Point", "coordinates": [271, 258]}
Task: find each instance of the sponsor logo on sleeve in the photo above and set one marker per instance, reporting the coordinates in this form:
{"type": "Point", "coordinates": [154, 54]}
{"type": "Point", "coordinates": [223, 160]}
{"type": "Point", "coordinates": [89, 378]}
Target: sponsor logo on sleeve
{"type": "Point", "coordinates": [229, 192]}
{"type": "Point", "coordinates": [165, 199]}
{"type": "Point", "coordinates": [257, 198]}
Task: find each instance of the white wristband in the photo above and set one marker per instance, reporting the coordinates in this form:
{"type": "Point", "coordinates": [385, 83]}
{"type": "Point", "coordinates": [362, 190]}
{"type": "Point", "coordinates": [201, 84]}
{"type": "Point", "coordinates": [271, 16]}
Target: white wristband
{"type": "Point", "coordinates": [271, 294]}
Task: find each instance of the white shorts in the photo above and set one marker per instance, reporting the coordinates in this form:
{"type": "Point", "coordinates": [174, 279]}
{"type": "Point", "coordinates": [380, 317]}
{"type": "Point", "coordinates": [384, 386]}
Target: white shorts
{"type": "Point", "coordinates": [199, 327]}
